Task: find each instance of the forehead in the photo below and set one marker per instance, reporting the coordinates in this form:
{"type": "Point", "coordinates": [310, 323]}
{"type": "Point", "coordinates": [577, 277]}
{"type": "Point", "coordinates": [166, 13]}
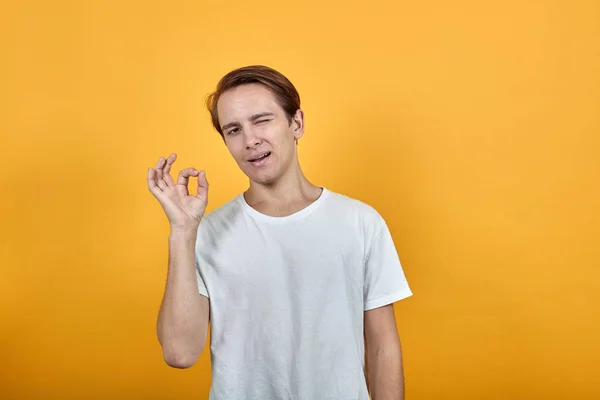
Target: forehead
{"type": "Point", "coordinates": [244, 101]}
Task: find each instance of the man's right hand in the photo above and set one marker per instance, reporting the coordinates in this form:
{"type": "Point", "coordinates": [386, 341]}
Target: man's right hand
{"type": "Point", "coordinates": [183, 210]}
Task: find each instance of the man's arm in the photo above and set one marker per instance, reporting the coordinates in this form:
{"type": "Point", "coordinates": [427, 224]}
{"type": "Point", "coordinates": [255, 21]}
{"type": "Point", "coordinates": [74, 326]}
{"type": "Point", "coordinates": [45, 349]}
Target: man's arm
{"type": "Point", "coordinates": [184, 313]}
{"type": "Point", "coordinates": [384, 354]}
{"type": "Point", "coordinates": [183, 318]}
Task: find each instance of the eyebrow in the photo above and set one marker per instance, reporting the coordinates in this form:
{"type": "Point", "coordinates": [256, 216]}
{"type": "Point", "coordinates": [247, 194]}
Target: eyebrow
{"type": "Point", "coordinates": [251, 119]}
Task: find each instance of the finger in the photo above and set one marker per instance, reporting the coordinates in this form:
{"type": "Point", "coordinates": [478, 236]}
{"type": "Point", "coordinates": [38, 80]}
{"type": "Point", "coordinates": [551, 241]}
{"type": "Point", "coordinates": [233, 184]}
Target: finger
{"type": "Point", "coordinates": [184, 176]}
{"type": "Point", "coordinates": [168, 179]}
{"type": "Point", "coordinates": [152, 186]}
{"type": "Point", "coordinates": [170, 160]}
{"type": "Point", "coordinates": [162, 184]}
{"type": "Point", "coordinates": [159, 168]}
{"type": "Point", "coordinates": [202, 187]}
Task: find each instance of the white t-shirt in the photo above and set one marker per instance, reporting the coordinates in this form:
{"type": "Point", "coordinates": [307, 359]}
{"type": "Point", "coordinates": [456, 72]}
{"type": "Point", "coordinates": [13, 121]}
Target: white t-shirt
{"type": "Point", "coordinates": [288, 296]}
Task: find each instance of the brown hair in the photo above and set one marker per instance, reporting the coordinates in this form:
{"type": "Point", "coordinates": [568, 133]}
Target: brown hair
{"type": "Point", "coordinates": [278, 84]}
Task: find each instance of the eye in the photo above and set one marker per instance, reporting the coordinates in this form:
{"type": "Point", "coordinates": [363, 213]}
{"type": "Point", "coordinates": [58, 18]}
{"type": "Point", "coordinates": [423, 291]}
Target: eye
{"type": "Point", "coordinates": [233, 131]}
{"type": "Point", "coordinates": [260, 121]}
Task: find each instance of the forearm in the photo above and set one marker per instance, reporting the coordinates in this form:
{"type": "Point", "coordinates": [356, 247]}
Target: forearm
{"type": "Point", "coordinates": [385, 371]}
{"type": "Point", "coordinates": [183, 317]}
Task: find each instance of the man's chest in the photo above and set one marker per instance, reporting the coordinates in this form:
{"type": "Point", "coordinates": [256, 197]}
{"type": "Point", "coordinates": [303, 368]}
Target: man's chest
{"type": "Point", "coordinates": [270, 264]}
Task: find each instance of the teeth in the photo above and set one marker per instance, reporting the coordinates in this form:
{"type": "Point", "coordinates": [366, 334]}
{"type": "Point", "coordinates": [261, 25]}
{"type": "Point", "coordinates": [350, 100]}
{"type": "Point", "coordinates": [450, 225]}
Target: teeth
{"type": "Point", "coordinates": [261, 157]}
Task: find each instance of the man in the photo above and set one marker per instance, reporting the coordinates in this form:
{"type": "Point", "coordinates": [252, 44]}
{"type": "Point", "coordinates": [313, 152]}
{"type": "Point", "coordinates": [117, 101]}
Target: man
{"type": "Point", "coordinates": [293, 277]}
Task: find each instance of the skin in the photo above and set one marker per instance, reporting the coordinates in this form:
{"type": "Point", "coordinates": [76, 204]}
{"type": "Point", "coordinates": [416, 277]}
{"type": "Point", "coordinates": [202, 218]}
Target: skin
{"type": "Point", "coordinates": [252, 122]}
{"type": "Point", "coordinates": [279, 187]}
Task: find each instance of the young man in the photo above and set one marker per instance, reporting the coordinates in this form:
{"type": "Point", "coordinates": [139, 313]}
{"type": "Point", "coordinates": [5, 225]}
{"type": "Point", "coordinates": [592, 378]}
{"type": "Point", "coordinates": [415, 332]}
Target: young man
{"type": "Point", "coordinates": [293, 277]}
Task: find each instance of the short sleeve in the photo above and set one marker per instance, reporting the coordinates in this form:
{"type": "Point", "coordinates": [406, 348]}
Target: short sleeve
{"type": "Point", "coordinates": [201, 285]}
{"type": "Point", "coordinates": [385, 281]}
{"type": "Point", "coordinates": [201, 262]}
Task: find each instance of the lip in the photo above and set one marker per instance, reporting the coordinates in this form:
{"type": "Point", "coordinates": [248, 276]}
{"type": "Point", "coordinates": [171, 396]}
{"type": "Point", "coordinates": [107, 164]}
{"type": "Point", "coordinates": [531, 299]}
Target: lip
{"type": "Point", "coordinates": [252, 157]}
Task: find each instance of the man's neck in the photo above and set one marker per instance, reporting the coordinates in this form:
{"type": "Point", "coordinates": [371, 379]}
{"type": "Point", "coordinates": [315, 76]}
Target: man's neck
{"type": "Point", "coordinates": [285, 197]}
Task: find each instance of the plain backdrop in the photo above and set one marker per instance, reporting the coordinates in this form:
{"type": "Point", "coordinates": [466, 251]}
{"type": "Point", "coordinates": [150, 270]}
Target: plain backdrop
{"type": "Point", "coordinates": [472, 127]}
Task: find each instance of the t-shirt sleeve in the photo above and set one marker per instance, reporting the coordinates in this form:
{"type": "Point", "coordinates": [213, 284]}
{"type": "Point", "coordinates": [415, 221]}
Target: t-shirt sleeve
{"type": "Point", "coordinates": [385, 281]}
{"type": "Point", "coordinates": [201, 285]}
{"type": "Point", "coordinates": [201, 262]}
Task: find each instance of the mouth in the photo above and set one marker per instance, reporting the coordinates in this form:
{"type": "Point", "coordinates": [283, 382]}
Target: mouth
{"type": "Point", "coordinates": [259, 158]}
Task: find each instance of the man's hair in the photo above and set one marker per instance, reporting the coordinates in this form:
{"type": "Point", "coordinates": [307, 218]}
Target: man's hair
{"type": "Point", "coordinates": [277, 83]}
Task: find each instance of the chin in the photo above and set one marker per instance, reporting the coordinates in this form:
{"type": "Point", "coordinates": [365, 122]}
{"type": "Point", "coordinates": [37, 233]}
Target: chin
{"type": "Point", "coordinates": [262, 179]}
{"type": "Point", "coordinates": [264, 176]}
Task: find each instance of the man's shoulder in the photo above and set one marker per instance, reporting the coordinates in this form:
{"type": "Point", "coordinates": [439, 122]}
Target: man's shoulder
{"type": "Point", "coordinates": [348, 205]}
{"type": "Point", "coordinates": [226, 213]}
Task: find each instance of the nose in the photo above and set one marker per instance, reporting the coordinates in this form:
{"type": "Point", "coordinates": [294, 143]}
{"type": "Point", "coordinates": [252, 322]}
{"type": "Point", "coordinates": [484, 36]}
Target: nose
{"type": "Point", "coordinates": [251, 137]}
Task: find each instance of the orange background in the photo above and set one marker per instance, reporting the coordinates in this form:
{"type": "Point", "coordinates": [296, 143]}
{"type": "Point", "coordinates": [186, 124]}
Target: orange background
{"type": "Point", "coordinates": [473, 127]}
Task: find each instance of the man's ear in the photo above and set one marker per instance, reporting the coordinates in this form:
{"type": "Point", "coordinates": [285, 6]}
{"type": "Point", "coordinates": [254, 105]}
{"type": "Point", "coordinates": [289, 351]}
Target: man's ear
{"type": "Point", "coordinates": [298, 124]}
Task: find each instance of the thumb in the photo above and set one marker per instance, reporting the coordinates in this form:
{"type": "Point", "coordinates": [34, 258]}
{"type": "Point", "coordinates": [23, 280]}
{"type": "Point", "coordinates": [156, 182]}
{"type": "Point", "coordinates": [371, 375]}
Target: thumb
{"type": "Point", "coordinates": [202, 186]}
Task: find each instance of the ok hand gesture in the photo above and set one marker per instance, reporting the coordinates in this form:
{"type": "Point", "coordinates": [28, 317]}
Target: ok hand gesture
{"type": "Point", "coordinates": [183, 210]}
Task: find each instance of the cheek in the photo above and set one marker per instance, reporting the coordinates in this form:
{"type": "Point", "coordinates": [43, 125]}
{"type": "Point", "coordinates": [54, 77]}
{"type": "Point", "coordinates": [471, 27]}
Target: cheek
{"type": "Point", "coordinates": [281, 139]}
{"type": "Point", "coordinates": [234, 150]}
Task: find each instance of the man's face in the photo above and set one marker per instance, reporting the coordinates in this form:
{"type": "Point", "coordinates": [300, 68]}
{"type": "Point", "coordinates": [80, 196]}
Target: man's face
{"type": "Point", "coordinates": [257, 132]}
